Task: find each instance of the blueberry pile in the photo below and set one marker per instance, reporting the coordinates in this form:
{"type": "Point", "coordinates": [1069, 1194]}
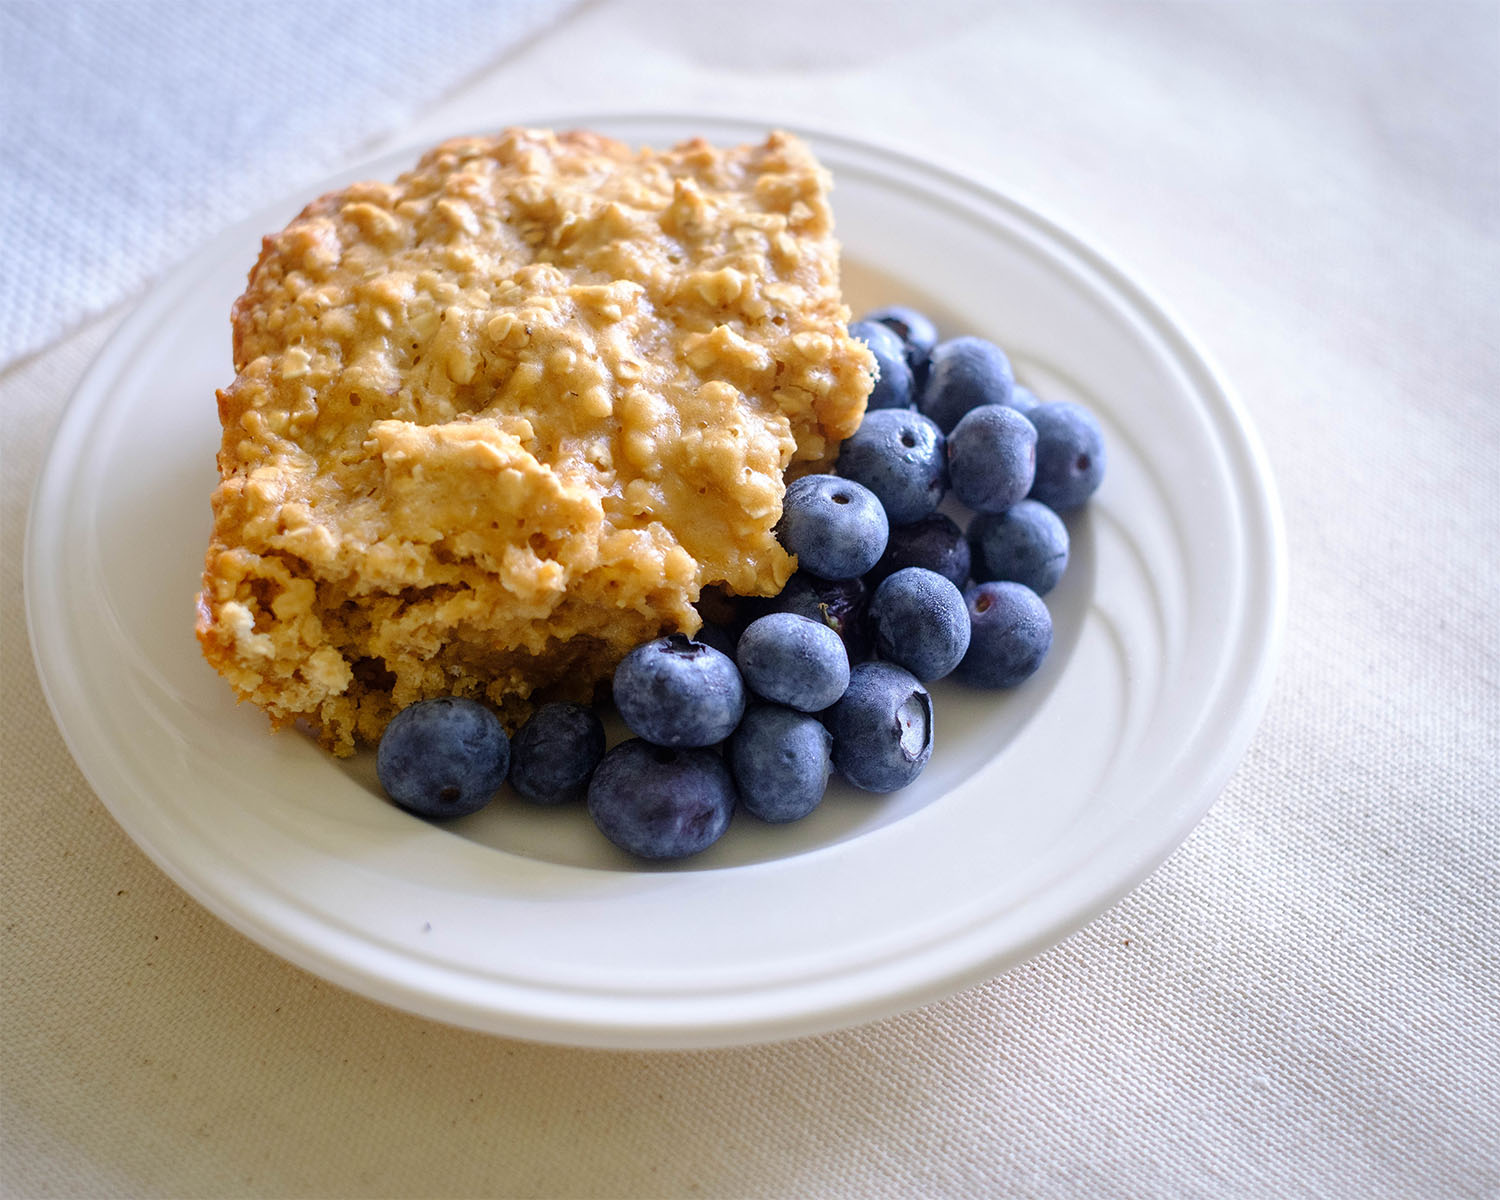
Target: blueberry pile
{"type": "Point", "coordinates": [890, 595]}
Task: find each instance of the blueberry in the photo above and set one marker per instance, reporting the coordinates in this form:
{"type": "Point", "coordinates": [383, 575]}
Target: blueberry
{"type": "Point", "coordinates": [443, 758]}
{"type": "Point", "coordinates": [1012, 632]}
{"type": "Point", "coordinates": [793, 660]}
{"type": "Point", "coordinates": [1024, 544]}
{"type": "Point", "coordinates": [1022, 399]}
{"type": "Point", "coordinates": [918, 335]}
{"type": "Point", "coordinates": [657, 802]}
{"type": "Point", "coordinates": [780, 761]}
{"type": "Point", "coordinates": [920, 622]}
{"type": "Point", "coordinates": [900, 456]}
{"type": "Point", "coordinates": [677, 692]}
{"type": "Point", "coordinates": [834, 526]}
{"type": "Point", "coordinates": [992, 458]}
{"type": "Point", "coordinates": [934, 542]}
{"type": "Point", "coordinates": [555, 752]}
{"type": "Point", "coordinates": [1069, 454]}
{"type": "Point", "coordinates": [965, 373]}
{"type": "Point", "coordinates": [840, 604]}
{"type": "Point", "coordinates": [882, 728]}
{"type": "Point", "coordinates": [720, 638]}
{"type": "Point", "coordinates": [893, 385]}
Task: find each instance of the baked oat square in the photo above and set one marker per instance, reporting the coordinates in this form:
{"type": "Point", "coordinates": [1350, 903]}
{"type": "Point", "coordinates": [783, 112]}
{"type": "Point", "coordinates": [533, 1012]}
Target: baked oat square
{"type": "Point", "coordinates": [500, 421]}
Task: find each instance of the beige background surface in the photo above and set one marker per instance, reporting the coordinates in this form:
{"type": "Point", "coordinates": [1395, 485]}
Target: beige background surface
{"type": "Point", "coordinates": [1301, 1002]}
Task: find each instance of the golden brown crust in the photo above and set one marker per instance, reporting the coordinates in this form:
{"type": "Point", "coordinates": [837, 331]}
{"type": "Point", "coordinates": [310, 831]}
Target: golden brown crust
{"type": "Point", "coordinates": [499, 421]}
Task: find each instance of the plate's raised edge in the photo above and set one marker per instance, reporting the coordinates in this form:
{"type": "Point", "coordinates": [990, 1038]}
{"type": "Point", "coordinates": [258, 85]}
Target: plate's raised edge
{"type": "Point", "coordinates": [1217, 769]}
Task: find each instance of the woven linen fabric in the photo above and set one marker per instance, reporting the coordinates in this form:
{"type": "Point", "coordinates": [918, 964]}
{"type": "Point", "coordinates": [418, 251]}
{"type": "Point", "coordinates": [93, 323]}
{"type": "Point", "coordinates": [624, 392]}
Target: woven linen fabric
{"type": "Point", "coordinates": [1304, 1001]}
{"type": "Point", "coordinates": [133, 129]}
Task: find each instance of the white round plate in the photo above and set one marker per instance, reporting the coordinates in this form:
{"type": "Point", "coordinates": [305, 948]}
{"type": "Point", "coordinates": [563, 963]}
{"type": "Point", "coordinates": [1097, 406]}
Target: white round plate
{"type": "Point", "coordinates": [1039, 808]}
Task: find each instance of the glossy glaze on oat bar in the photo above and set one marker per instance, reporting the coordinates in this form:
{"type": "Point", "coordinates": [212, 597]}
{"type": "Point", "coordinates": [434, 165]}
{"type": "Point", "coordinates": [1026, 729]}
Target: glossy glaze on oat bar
{"type": "Point", "coordinates": [498, 422]}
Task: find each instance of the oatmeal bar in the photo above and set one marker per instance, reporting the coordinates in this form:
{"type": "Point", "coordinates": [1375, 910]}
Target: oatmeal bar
{"type": "Point", "coordinates": [500, 421]}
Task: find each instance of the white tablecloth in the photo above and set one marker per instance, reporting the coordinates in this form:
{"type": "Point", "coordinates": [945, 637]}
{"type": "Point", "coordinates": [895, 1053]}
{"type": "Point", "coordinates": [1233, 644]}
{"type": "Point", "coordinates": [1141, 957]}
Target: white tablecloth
{"type": "Point", "coordinates": [1301, 1002]}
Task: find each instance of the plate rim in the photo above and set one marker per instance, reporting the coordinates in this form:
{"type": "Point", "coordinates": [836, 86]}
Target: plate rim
{"type": "Point", "coordinates": [1214, 774]}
